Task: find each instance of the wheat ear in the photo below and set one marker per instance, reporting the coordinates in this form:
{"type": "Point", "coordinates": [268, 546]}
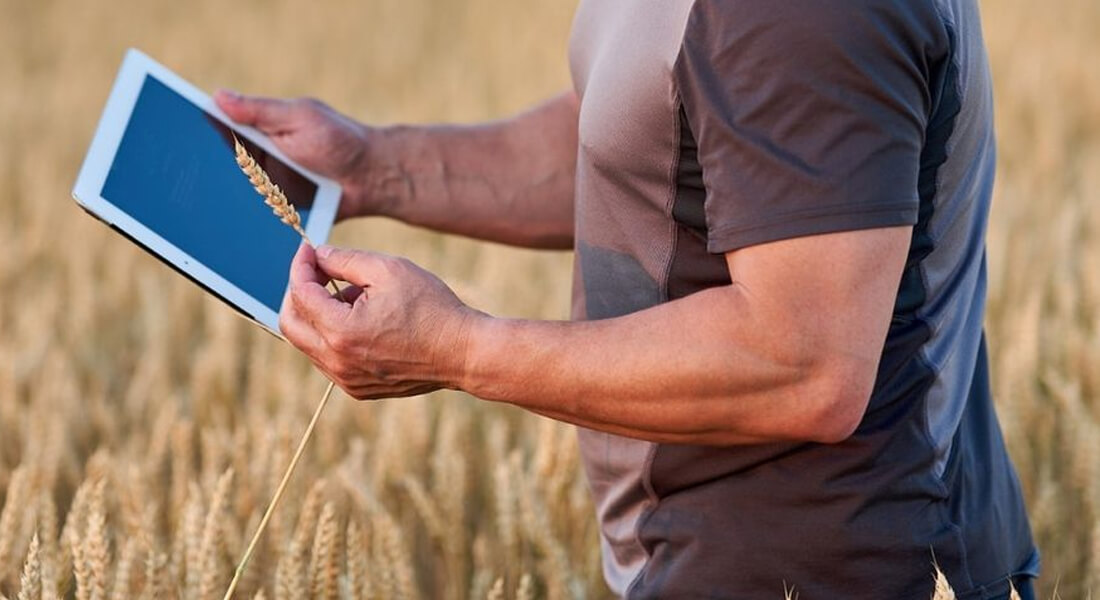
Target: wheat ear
{"type": "Point", "coordinates": [943, 589]}
{"type": "Point", "coordinates": [272, 194]}
{"type": "Point", "coordinates": [325, 573]}
{"type": "Point", "coordinates": [497, 591]}
{"type": "Point", "coordinates": [276, 199]}
{"type": "Point", "coordinates": [212, 532]}
{"type": "Point", "coordinates": [96, 542]}
{"type": "Point", "coordinates": [30, 581]}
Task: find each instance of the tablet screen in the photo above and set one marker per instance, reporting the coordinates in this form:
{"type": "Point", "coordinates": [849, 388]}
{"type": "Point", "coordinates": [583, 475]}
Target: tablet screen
{"type": "Point", "coordinates": [175, 172]}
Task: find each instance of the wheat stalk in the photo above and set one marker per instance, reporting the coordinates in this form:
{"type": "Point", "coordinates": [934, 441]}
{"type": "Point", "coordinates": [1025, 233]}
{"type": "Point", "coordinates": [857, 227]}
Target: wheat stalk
{"type": "Point", "coordinates": [47, 526]}
{"type": "Point", "coordinates": [359, 582]}
{"type": "Point", "coordinates": [11, 517]}
{"type": "Point", "coordinates": [497, 591]}
{"type": "Point", "coordinates": [427, 510]}
{"type": "Point", "coordinates": [943, 589]}
{"type": "Point", "coordinates": [289, 578]}
{"type": "Point", "coordinates": [212, 532]}
{"type": "Point", "coordinates": [310, 512]}
{"type": "Point", "coordinates": [325, 570]}
{"type": "Point", "coordinates": [526, 589]}
{"type": "Point", "coordinates": [97, 544]}
{"type": "Point", "coordinates": [156, 575]}
{"type": "Point", "coordinates": [189, 540]}
{"type": "Point", "coordinates": [536, 522]}
{"type": "Point", "coordinates": [275, 198]}
{"type": "Point", "coordinates": [124, 571]}
{"type": "Point", "coordinates": [30, 581]}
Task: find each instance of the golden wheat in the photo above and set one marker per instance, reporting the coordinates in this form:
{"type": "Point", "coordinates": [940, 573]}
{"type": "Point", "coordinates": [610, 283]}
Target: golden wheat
{"type": "Point", "coordinates": [360, 586]}
{"type": "Point", "coordinates": [156, 584]}
{"type": "Point", "coordinates": [943, 589]}
{"type": "Point", "coordinates": [96, 545]}
{"type": "Point", "coordinates": [209, 552]}
{"type": "Point", "coordinates": [272, 194]}
{"type": "Point", "coordinates": [30, 581]}
{"type": "Point", "coordinates": [11, 516]}
{"type": "Point", "coordinates": [290, 580]}
{"type": "Point", "coordinates": [526, 589]}
{"type": "Point", "coordinates": [188, 551]}
{"type": "Point", "coordinates": [114, 369]}
{"type": "Point", "coordinates": [497, 591]}
{"type": "Point", "coordinates": [325, 556]}
{"type": "Point", "coordinates": [124, 571]}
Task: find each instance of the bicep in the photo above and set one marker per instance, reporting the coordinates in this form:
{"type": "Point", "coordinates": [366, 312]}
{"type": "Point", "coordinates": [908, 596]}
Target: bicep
{"type": "Point", "coordinates": [824, 301]}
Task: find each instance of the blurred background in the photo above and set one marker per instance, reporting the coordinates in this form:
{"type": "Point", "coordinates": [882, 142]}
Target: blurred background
{"type": "Point", "coordinates": [143, 425]}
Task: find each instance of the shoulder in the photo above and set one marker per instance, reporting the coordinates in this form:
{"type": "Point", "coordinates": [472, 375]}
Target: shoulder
{"type": "Point", "coordinates": [813, 32]}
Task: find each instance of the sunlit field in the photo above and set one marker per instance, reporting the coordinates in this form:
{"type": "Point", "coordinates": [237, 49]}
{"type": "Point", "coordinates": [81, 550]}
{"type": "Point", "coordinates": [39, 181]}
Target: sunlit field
{"type": "Point", "coordinates": [143, 425]}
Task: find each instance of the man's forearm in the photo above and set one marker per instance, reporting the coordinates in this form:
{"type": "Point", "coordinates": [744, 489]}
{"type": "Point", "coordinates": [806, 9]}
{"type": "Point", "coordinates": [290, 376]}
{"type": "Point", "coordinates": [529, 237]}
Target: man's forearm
{"type": "Point", "coordinates": [698, 370]}
{"type": "Point", "coordinates": [508, 181]}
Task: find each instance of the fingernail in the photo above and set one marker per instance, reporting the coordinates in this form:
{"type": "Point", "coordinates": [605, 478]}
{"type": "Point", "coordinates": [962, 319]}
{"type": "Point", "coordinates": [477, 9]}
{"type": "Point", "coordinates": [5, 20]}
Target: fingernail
{"type": "Point", "coordinates": [231, 94]}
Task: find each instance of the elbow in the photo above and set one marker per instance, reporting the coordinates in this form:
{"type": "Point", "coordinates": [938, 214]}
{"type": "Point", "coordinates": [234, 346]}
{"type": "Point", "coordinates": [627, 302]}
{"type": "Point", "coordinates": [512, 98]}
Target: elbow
{"type": "Point", "coordinates": [840, 398]}
{"type": "Point", "coordinates": [834, 428]}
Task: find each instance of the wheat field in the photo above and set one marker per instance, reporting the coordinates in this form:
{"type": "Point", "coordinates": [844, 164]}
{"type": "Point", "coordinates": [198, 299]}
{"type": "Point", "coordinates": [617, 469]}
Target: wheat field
{"type": "Point", "coordinates": [143, 425]}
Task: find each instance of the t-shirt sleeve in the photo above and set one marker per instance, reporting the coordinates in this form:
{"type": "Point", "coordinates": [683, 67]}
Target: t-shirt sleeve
{"type": "Point", "coordinates": [809, 116]}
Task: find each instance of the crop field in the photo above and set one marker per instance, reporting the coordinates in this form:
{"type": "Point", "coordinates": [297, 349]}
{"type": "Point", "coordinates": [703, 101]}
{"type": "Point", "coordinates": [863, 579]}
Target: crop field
{"type": "Point", "coordinates": [143, 425]}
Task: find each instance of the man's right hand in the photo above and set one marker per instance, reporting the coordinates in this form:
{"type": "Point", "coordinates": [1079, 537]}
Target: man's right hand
{"type": "Point", "coordinates": [315, 136]}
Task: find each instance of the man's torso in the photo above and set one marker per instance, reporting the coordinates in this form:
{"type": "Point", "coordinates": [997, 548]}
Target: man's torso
{"type": "Point", "coordinates": [862, 518]}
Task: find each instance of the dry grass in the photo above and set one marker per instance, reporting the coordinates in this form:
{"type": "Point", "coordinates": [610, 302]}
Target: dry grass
{"type": "Point", "coordinates": [126, 393]}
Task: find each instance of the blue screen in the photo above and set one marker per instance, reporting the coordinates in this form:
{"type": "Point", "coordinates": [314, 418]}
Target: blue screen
{"type": "Point", "coordinates": [175, 173]}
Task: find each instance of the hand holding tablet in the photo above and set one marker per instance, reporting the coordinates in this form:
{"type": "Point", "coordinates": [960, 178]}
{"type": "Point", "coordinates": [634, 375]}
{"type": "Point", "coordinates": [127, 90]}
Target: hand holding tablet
{"type": "Point", "coordinates": [161, 170]}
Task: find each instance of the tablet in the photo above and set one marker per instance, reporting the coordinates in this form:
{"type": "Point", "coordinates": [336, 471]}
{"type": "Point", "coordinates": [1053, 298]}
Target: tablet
{"type": "Point", "coordinates": [161, 171]}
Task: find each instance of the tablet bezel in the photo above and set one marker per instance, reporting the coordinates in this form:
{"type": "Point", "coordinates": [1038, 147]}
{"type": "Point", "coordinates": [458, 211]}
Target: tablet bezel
{"type": "Point", "coordinates": [101, 154]}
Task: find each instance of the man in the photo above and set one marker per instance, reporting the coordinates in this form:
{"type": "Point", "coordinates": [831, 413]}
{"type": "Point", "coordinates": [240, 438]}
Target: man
{"type": "Point", "coordinates": [776, 361]}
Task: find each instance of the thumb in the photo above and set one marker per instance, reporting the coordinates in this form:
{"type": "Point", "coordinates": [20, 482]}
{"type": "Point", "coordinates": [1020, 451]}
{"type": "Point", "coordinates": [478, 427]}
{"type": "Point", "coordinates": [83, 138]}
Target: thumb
{"type": "Point", "coordinates": [269, 115]}
{"type": "Point", "coordinates": [356, 267]}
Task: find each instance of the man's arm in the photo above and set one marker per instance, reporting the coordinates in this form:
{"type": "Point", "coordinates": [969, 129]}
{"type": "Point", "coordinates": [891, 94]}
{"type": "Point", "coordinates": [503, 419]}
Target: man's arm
{"type": "Point", "coordinates": [789, 351]}
{"type": "Point", "coordinates": [508, 181]}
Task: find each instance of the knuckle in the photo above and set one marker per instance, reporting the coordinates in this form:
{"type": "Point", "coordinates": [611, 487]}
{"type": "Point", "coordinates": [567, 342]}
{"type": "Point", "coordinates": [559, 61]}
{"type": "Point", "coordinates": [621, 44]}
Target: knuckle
{"type": "Point", "coordinates": [297, 299]}
{"type": "Point", "coordinates": [347, 260]}
{"type": "Point", "coordinates": [309, 104]}
{"type": "Point", "coordinates": [341, 344]}
{"type": "Point", "coordinates": [392, 265]}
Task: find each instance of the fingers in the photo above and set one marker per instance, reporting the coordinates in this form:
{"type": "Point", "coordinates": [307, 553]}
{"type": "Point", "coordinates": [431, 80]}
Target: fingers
{"type": "Point", "coordinates": [298, 331]}
{"type": "Point", "coordinates": [303, 268]}
{"type": "Point", "coordinates": [294, 328]}
{"type": "Point", "coordinates": [353, 266]}
{"type": "Point", "coordinates": [270, 115]}
{"type": "Point", "coordinates": [350, 293]}
{"type": "Point", "coordinates": [308, 297]}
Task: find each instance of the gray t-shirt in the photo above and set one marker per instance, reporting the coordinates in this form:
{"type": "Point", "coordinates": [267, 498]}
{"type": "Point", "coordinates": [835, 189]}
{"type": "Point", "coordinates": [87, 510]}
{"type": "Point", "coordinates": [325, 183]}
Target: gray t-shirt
{"type": "Point", "coordinates": [712, 125]}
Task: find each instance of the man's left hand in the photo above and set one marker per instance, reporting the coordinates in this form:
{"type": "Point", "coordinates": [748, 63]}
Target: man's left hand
{"type": "Point", "coordinates": [396, 331]}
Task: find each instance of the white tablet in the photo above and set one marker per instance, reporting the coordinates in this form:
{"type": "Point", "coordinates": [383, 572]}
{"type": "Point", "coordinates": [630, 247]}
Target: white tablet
{"type": "Point", "coordinates": [161, 171]}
